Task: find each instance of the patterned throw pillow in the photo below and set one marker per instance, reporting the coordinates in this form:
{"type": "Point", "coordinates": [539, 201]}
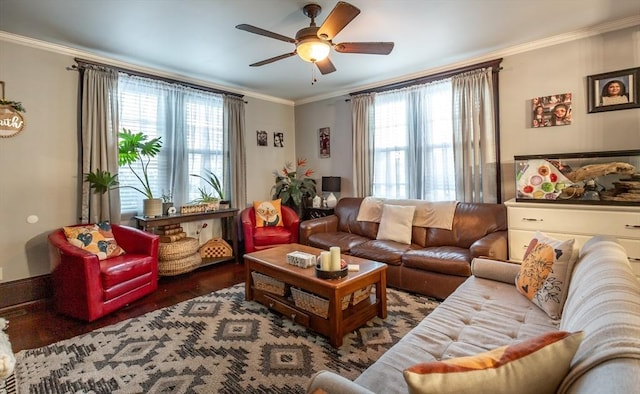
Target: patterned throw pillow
{"type": "Point", "coordinates": [95, 238]}
{"type": "Point", "coordinates": [545, 272]}
{"type": "Point", "coordinates": [537, 365]}
{"type": "Point", "coordinates": [268, 213]}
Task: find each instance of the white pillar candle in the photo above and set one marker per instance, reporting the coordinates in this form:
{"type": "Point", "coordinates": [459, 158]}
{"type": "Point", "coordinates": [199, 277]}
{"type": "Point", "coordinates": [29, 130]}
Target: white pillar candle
{"type": "Point", "coordinates": [325, 261]}
{"type": "Point", "coordinates": [335, 258]}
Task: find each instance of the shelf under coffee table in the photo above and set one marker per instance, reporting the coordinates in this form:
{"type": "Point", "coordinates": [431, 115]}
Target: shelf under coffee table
{"type": "Point", "coordinates": [273, 263]}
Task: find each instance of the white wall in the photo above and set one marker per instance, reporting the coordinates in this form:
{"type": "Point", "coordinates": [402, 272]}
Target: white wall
{"type": "Point", "coordinates": [334, 113]}
{"type": "Point", "coordinates": [557, 69]}
{"type": "Point", "coordinates": [560, 69]}
{"type": "Point", "coordinates": [38, 173]}
{"type": "Point", "coordinates": [39, 166]}
{"type": "Point", "coordinates": [263, 160]}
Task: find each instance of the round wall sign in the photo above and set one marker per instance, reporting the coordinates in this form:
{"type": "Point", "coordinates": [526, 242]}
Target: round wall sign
{"type": "Point", "coordinates": [11, 121]}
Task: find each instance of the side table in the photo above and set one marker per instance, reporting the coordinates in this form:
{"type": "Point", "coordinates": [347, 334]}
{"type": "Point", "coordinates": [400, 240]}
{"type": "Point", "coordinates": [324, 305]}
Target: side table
{"type": "Point", "coordinates": [314, 213]}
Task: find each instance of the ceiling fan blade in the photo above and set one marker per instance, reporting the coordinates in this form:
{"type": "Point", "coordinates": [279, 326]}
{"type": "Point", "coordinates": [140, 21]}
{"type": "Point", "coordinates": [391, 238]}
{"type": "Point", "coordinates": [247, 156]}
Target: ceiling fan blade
{"type": "Point", "coordinates": [373, 48]}
{"type": "Point", "coordinates": [266, 33]}
{"type": "Point", "coordinates": [273, 59]}
{"type": "Point", "coordinates": [325, 66]}
{"type": "Point", "coordinates": [338, 18]}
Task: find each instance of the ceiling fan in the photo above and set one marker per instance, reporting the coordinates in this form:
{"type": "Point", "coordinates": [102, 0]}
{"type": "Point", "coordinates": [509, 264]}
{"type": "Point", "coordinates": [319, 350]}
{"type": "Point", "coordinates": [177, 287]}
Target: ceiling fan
{"type": "Point", "coordinates": [313, 43]}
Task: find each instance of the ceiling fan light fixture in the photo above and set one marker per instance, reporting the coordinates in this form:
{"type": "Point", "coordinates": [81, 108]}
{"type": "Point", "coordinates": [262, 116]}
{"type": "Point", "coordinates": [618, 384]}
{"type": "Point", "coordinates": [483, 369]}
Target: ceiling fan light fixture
{"type": "Point", "coordinates": [313, 49]}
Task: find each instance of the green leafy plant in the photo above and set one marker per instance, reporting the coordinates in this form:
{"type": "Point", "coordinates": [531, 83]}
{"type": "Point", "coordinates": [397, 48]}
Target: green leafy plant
{"type": "Point", "coordinates": [16, 105]}
{"type": "Point", "coordinates": [293, 184]}
{"type": "Point", "coordinates": [133, 149]}
{"type": "Point", "coordinates": [212, 180]}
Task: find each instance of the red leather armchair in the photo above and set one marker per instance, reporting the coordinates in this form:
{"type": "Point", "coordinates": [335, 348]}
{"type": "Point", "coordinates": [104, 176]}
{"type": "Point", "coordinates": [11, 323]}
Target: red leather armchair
{"type": "Point", "coordinates": [258, 238]}
{"type": "Point", "coordinates": [87, 288]}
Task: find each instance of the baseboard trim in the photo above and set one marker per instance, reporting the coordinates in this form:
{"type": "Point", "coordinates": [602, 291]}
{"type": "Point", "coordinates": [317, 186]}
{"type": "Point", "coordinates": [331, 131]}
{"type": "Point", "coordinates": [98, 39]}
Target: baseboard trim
{"type": "Point", "coordinates": [23, 291]}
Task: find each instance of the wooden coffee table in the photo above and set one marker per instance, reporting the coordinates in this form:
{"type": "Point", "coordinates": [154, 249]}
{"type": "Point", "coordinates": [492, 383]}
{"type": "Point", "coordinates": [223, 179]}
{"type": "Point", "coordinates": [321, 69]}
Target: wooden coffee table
{"type": "Point", "coordinates": [273, 262]}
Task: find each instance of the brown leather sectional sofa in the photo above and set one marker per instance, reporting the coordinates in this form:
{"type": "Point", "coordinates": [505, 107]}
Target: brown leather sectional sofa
{"type": "Point", "coordinates": [435, 263]}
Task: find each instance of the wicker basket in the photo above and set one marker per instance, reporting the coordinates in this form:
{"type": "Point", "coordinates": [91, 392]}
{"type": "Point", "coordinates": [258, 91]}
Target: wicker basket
{"type": "Point", "coordinates": [269, 284]}
{"type": "Point", "coordinates": [177, 250]}
{"type": "Point", "coordinates": [314, 304]}
{"type": "Point", "coordinates": [179, 266]}
{"type": "Point", "coordinates": [216, 247]}
{"type": "Point", "coordinates": [361, 295]}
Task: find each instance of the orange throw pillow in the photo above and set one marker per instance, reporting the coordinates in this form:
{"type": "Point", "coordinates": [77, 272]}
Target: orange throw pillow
{"type": "Point", "coordinates": [95, 238]}
{"type": "Point", "coordinates": [536, 365]}
{"type": "Point", "coordinates": [268, 213]}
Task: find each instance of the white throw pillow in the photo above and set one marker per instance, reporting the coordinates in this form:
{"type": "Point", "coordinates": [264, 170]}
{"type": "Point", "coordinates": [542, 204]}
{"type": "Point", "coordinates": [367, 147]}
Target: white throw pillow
{"type": "Point", "coordinates": [395, 223]}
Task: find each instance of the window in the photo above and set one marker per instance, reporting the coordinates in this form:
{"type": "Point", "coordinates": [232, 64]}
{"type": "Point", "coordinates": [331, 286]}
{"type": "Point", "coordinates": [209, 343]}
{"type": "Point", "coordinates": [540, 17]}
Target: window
{"type": "Point", "coordinates": [190, 124]}
{"type": "Point", "coordinates": [413, 143]}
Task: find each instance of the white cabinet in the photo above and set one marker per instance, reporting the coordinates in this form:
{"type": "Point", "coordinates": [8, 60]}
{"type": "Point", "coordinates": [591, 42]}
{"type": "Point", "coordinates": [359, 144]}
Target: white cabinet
{"type": "Point", "coordinates": [581, 222]}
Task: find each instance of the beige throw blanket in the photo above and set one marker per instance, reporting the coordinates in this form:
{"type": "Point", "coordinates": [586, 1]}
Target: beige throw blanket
{"type": "Point", "coordinates": [428, 214]}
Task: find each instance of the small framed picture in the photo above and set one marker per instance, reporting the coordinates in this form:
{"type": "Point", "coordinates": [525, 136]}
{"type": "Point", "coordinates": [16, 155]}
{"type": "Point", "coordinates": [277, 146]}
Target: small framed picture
{"type": "Point", "coordinates": [261, 135]}
{"type": "Point", "coordinates": [278, 140]}
{"type": "Point", "coordinates": [613, 90]}
{"type": "Point", "coordinates": [551, 110]}
{"type": "Point", "coordinates": [324, 140]}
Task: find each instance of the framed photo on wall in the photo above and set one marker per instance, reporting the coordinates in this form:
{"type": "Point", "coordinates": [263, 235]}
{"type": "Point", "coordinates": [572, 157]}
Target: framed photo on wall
{"type": "Point", "coordinates": [261, 136]}
{"type": "Point", "coordinates": [324, 142]}
{"type": "Point", "coordinates": [551, 110]}
{"type": "Point", "coordinates": [278, 139]}
{"type": "Point", "coordinates": [613, 90]}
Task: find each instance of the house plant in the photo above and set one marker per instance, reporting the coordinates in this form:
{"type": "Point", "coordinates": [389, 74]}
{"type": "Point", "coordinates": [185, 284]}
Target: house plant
{"type": "Point", "coordinates": [212, 180]}
{"type": "Point", "coordinates": [294, 185]}
{"type": "Point", "coordinates": [133, 148]}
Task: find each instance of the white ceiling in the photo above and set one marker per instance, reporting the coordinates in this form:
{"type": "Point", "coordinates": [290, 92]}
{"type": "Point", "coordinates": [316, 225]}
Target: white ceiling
{"type": "Point", "coordinates": [197, 39]}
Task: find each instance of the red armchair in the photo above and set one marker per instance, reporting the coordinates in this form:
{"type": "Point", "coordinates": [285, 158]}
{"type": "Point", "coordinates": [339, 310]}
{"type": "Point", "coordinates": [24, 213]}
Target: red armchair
{"type": "Point", "coordinates": [258, 238]}
{"type": "Point", "coordinates": [87, 288]}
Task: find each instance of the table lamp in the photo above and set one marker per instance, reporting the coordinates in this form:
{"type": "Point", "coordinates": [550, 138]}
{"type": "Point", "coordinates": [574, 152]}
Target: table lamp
{"type": "Point", "coordinates": [331, 184]}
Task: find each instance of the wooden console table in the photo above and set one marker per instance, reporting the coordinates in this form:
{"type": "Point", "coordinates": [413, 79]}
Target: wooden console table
{"type": "Point", "coordinates": [230, 215]}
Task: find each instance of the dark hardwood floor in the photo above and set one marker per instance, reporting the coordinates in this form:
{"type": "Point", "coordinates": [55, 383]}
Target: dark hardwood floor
{"type": "Point", "coordinates": [39, 325]}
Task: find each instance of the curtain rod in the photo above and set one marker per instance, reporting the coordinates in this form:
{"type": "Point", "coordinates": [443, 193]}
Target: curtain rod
{"type": "Point", "coordinates": [83, 63]}
{"type": "Point", "coordinates": [433, 77]}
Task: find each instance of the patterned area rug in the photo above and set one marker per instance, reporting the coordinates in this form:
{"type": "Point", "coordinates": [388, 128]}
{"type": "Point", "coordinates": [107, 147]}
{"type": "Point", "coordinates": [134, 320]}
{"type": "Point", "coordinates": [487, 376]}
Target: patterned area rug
{"type": "Point", "coordinates": [218, 343]}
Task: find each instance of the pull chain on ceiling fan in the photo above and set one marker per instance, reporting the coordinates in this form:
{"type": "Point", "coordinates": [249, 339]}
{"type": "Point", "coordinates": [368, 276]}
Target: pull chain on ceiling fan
{"type": "Point", "coordinates": [313, 44]}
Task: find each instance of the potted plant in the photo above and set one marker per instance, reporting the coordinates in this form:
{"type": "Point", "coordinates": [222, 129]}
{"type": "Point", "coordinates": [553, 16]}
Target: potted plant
{"type": "Point", "coordinates": [133, 148]}
{"type": "Point", "coordinates": [167, 202]}
{"type": "Point", "coordinates": [294, 186]}
{"type": "Point", "coordinates": [212, 180]}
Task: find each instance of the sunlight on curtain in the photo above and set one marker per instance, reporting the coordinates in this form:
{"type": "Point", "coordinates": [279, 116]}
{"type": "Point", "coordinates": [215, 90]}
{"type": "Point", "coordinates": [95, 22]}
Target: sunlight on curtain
{"type": "Point", "coordinates": [475, 137]}
{"type": "Point", "coordinates": [99, 135]}
{"type": "Point", "coordinates": [413, 134]}
{"type": "Point", "coordinates": [190, 124]}
{"type": "Point", "coordinates": [362, 121]}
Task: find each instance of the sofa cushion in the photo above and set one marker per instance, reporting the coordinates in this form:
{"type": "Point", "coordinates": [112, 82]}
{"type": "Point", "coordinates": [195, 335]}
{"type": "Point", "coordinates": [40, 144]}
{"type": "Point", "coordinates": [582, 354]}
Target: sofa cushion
{"type": "Point", "coordinates": [389, 252]}
{"type": "Point", "coordinates": [120, 275]}
{"type": "Point", "coordinates": [523, 367]}
{"type": "Point", "coordinates": [267, 236]}
{"type": "Point", "coordinates": [480, 315]}
{"type": "Point", "coordinates": [545, 272]}
{"type": "Point", "coordinates": [94, 238]}
{"type": "Point", "coordinates": [345, 241]}
{"type": "Point", "coordinates": [449, 260]}
{"type": "Point", "coordinates": [268, 213]}
{"type": "Point", "coordinates": [395, 223]}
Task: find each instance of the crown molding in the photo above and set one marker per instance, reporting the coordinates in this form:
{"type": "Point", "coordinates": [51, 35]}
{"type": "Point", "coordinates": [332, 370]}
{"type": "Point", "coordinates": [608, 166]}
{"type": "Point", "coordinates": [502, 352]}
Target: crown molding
{"type": "Point", "coordinates": [619, 24]}
{"type": "Point", "coordinates": [64, 50]}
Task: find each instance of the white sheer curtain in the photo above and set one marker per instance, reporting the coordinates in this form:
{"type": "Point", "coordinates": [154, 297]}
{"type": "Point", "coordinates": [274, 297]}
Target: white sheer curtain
{"type": "Point", "coordinates": [414, 143]}
{"type": "Point", "coordinates": [190, 122]}
{"type": "Point", "coordinates": [475, 136]}
{"type": "Point", "coordinates": [99, 139]}
{"type": "Point", "coordinates": [362, 119]}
